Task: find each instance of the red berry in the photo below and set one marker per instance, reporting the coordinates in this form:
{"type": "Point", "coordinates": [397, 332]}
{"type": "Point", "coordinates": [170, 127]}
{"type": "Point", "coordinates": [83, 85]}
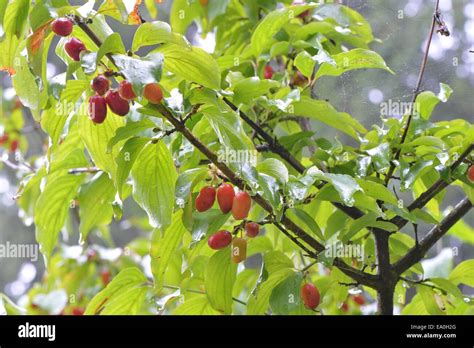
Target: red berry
{"type": "Point", "coordinates": [126, 90]}
{"type": "Point", "coordinates": [78, 311]}
{"type": "Point", "coordinates": [116, 103]}
{"type": "Point", "coordinates": [268, 74]}
{"type": "Point", "coordinates": [359, 299]}
{"type": "Point", "coordinates": [153, 93]}
{"type": "Point", "coordinates": [470, 173]}
{"type": "Point", "coordinates": [4, 138]}
{"type": "Point", "coordinates": [239, 250]}
{"type": "Point", "coordinates": [74, 47]}
{"type": "Point", "coordinates": [97, 109]}
{"type": "Point", "coordinates": [203, 2]}
{"type": "Point", "coordinates": [100, 84]}
{"type": "Point", "coordinates": [219, 240]}
{"type": "Point", "coordinates": [310, 295]}
{"type": "Point", "coordinates": [345, 307]}
{"type": "Point", "coordinates": [105, 277]}
{"type": "Point", "coordinates": [252, 229]}
{"type": "Point", "coordinates": [205, 198]}
{"type": "Point", "coordinates": [14, 145]}
{"type": "Point", "coordinates": [241, 205]}
{"type": "Point", "coordinates": [62, 26]}
{"type": "Point", "coordinates": [225, 197]}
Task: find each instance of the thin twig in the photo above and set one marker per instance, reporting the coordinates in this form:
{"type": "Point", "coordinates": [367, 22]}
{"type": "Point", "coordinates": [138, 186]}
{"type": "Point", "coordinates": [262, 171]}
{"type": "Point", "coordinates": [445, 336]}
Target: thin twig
{"type": "Point", "coordinates": [415, 94]}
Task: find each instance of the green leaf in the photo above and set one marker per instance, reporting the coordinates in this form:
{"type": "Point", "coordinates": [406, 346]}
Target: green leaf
{"type": "Point", "coordinates": [183, 13]}
{"type": "Point", "coordinates": [198, 305]}
{"type": "Point", "coordinates": [262, 37]}
{"type": "Point", "coordinates": [193, 64]}
{"type": "Point", "coordinates": [96, 138]}
{"type": "Point", "coordinates": [125, 160]}
{"type": "Point", "coordinates": [276, 260]}
{"type": "Point", "coordinates": [207, 222]}
{"type": "Point", "coordinates": [113, 44]}
{"type": "Point", "coordinates": [322, 111]}
{"type": "Point", "coordinates": [187, 180]}
{"type": "Point", "coordinates": [305, 63]}
{"type": "Point", "coordinates": [52, 207]}
{"type": "Point", "coordinates": [463, 273]}
{"type": "Point", "coordinates": [368, 220]}
{"type": "Point", "coordinates": [357, 58]}
{"type": "Point", "coordinates": [124, 295]}
{"type": "Point", "coordinates": [24, 83]}
{"type": "Point", "coordinates": [301, 217]}
{"type": "Point", "coordinates": [380, 155]}
{"type": "Point", "coordinates": [219, 280]}
{"type": "Point", "coordinates": [428, 298]}
{"type": "Point", "coordinates": [285, 296]}
{"type": "Point", "coordinates": [274, 168]}
{"type": "Point", "coordinates": [258, 303]}
{"type": "Point", "coordinates": [427, 101]}
{"type": "Point", "coordinates": [250, 88]}
{"type": "Point", "coordinates": [95, 203]}
{"type": "Point", "coordinates": [344, 184]}
{"type": "Point", "coordinates": [129, 130]}
{"type": "Point", "coordinates": [157, 32]}
{"type": "Point", "coordinates": [377, 191]}
{"type": "Point", "coordinates": [140, 71]}
{"type": "Point", "coordinates": [163, 245]}
{"type": "Point", "coordinates": [154, 178]}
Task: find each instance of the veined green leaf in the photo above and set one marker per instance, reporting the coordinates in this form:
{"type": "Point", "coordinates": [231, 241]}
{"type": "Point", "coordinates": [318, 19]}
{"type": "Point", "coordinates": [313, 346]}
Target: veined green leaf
{"type": "Point", "coordinates": [357, 58]}
{"type": "Point", "coordinates": [154, 33]}
{"type": "Point", "coordinates": [219, 280]}
{"type": "Point", "coordinates": [124, 295]}
{"type": "Point", "coordinates": [163, 245]}
{"type": "Point", "coordinates": [154, 178]}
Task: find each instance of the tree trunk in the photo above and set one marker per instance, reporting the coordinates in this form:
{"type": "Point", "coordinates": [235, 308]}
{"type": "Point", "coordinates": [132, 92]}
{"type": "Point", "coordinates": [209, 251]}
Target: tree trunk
{"type": "Point", "coordinates": [386, 288]}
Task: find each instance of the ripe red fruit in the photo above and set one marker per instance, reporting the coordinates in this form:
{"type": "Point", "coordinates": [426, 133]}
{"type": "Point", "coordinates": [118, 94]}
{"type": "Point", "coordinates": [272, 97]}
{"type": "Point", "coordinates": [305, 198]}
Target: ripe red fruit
{"type": "Point", "coordinates": [4, 138]}
{"type": "Point", "coordinates": [100, 84]}
{"type": "Point", "coordinates": [116, 103]}
{"type": "Point", "coordinates": [470, 173]}
{"type": "Point", "coordinates": [14, 145]}
{"type": "Point", "coordinates": [239, 250]}
{"type": "Point", "coordinates": [74, 47]}
{"type": "Point", "coordinates": [62, 26]}
{"type": "Point", "coordinates": [126, 90]}
{"type": "Point", "coordinates": [153, 93]}
{"type": "Point", "coordinates": [310, 295]}
{"type": "Point", "coordinates": [203, 2]}
{"type": "Point", "coordinates": [205, 199]}
{"type": "Point", "coordinates": [345, 307]}
{"type": "Point", "coordinates": [219, 240]}
{"type": "Point", "coordinates": [241, 205]}
{"type": "Point", "coordinates": [105, 277]}
{"type": "Point", "coordinates": [78, 311]}
{"type": "Point", "coordinates": [225, 197]}
{"type": "Point", "coordinates": [97, 109]}
{"type": "Point", "coordinates": [359, 299]}
{"type": "Point", "coordinates": [252, 229]}
{"type": "Point", "coordinates": [268, 73]}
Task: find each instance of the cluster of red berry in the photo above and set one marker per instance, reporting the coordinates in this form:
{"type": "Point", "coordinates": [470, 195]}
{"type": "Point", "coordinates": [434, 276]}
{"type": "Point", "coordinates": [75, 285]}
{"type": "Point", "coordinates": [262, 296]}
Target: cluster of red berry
{"type": "Point", "coordinates": [238, 204]}
{"type": "Point", "coordinates": [118, 100]}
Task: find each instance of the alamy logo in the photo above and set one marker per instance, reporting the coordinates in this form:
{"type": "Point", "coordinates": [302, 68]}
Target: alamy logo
{"type": "Point", "coordinates": [37, 331]}
{"type": "Point", "coordinates": [24, 251]}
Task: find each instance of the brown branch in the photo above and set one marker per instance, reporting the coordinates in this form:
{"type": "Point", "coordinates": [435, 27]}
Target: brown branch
{"type": "Point", "coordinates": [287, 224]}
{"type": "Point", "coordinates": [415, 93]}
{"type": "Point", "coordinates": [274, 146]}
{"type": "Point", "coordinates": [91, 170]}
{"type": "Point", "coordinates": [435, 189]}
{"type": "Point", "coordinates": [417, 253]}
